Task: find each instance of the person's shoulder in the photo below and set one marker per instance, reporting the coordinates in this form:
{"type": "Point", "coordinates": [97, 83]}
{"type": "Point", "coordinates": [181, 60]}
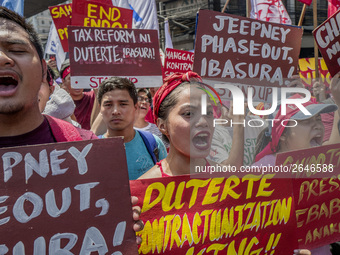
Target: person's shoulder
{"type": "Point", "coordinates": [64, 131]}
{"type": "Point", "coordinates": [154, 172]}
{"type": "Point", "coordinates": [86, 134]}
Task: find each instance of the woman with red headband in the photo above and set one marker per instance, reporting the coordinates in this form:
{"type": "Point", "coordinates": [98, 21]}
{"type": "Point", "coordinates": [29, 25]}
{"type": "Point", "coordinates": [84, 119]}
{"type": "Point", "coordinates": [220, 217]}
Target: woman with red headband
{"type": "Point", "coordinates": [308, 131]}
{"type": "Point", "coordinates": [177, 112]}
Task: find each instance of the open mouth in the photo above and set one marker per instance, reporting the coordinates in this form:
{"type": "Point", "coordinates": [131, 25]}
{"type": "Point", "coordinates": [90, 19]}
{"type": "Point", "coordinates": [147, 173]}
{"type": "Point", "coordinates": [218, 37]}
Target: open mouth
{"type": "Point", "coordinates": [201, 140]}
{"type": "Point", "coordinates": [8, 84]}
{"type": "Point", "coordinates": [316, 141]}
{"type": "Point", "coordinates": [143, 108]}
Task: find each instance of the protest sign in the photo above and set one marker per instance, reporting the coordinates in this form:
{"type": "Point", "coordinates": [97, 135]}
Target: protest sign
{"type": "Point", "coordinates": [327, 36]}
{"type": "Point", "coordinates": [177, 61]}
{"type": "Point", "coordinates": [184, 215]}
{"type": "Point", "coordinates": [66, 198]}
{"type": "Point", "coordinates": [315, 162]}
{"type": "Point", "coordinates": [99, 53]}
{"type": "Point", "coordinates": [307, 72]}
{"type": "Point", "coordinates": [317, 207]}
{"type": "Point", "coordinates": [101, 15]}
{"type": "Point", "coordinates": [61, 15]}
{"type": "Point", "coordinates": [244, 51]}
{"type": "Point", "coordinates": [80, 5]}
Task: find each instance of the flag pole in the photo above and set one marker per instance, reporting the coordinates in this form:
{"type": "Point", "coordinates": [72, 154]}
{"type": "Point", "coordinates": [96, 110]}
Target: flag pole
{"type": "Point", "coordinates": [248, 8]}
{"type": "Point", "coordinates": [316, 49]}
{"type": "Point", "coordinates": [225, 6]}
{"type": "Point", "coordinates": [302, 16]}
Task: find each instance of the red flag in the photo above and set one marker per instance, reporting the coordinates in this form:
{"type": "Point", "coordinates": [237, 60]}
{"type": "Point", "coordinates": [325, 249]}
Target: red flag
{"type": "Point", "coordinates": [333, 7]}
{"type": "Point", "coordinates": [270, 10]}
{"type": "Point", "coordinates": [308, 2]}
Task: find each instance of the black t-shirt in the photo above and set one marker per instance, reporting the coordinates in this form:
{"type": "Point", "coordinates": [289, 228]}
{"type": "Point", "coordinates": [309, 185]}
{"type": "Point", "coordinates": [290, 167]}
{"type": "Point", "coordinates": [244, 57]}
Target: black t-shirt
{"type": "Point", "coordinates": [40, 135]}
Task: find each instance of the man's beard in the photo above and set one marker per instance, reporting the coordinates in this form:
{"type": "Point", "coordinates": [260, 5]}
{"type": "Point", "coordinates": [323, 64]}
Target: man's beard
{"type": "Point", "coordinates": [11, 109]}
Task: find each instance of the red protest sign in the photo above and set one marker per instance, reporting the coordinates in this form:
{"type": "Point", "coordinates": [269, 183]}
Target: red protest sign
{"type": "Point", "coordinates": [99, 53]}
{"type": "Point", "coordinates": [245, 52]}
{"type": "Point", "coordinates": [327, 36]}
{"type": "Point", "coordinates": [61, 15]}
{"type": "Point", "coordinates": [66, 198]}
{"type": "Point", "coordinates": [80, 5]}
{"type": "Point", "coordinates": [317, 207]}
{"type": "Point", "coordinates": [95, 14]}
{"type": "Point", "coordinates": [316, 162]}
{"type": "Point", "coordinates": [307, 72]}
{"type": "Point", "coordinates": [178, 61]}
{"type": "Point", "coordinates": [184, 215]}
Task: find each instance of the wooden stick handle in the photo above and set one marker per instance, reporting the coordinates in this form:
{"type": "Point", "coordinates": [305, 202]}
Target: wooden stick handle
{"type": "Point", "coordinates": [302, 16]}
{"type": "Point", "coordinates": [225, 6]}
{"type": "Point", "coordinates": [316, 49]}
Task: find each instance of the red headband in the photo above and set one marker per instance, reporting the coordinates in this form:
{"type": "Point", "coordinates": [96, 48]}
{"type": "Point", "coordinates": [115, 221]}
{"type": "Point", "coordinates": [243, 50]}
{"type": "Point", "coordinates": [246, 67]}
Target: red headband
{"type": "Point", "coordinates": [66, 72]}
{"type": "Point", "coordinates": [277, 129]}
{"type": "Point", "coordinates": [170, 83]}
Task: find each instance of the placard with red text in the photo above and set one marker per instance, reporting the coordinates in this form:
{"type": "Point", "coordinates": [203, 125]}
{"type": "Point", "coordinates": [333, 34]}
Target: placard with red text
{"type": "Point", "coordinates": [99, 53]}
{"type": "Point", "coordinates": [61, 15]}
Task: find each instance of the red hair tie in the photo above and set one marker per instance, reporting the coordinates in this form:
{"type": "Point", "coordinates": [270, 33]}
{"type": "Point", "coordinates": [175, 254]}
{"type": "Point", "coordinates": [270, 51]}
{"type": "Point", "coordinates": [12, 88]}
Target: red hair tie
{"type": "Point", "coordinates": [170, 83]}
{"type": "Point", "coordinates": [66, 72]}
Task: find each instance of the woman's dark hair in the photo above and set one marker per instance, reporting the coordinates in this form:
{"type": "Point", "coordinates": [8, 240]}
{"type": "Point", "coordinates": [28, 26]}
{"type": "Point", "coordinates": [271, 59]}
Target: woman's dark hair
{"type": "Point", "coordinates": [32, 34]}
{"type": "Point", "coordinates": [117, 83]}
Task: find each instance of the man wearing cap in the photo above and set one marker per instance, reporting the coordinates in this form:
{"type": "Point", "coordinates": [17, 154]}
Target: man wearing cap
{"type": "Point", "coordinates": [307, 131]}
{"type": "Point", "coordinates": [83, 100]}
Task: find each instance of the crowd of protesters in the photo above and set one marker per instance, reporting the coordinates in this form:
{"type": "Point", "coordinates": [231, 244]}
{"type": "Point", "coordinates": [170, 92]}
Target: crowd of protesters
{"type": "Point", "coordinates": [178, 136]}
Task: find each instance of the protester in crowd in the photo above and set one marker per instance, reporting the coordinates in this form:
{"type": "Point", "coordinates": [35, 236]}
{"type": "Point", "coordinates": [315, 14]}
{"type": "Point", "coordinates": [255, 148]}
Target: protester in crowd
{"type": "Point", "coordinates": [144, 103]}
{"type": "Point", "coordinates": [46, 89]}
{"type": "Point", "coordinates": [84, 101]}
{"type": "Point", "coordinates": [22, 70]}
{"type": "Point", "coordinates": [54, 101]}
{"type": "Point", "coordinates": [149, 116]}
{"type": "Point", "coordinates": [177, 111]}
{"type": "Point", "coordinates": [118, 108]}
{"type": "Point", "coordinates": [308, 133]}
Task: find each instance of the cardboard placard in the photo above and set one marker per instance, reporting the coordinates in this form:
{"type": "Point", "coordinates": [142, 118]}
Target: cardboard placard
{"type": "Point", "coordinates": [252, 51]}
{"type": "Point", "coordinates": [61, 15]}
{"type": "Point", "coordinates": [80, 5]}
{"type": "Point", "coordinates": [101, 15]}
{"type": "Point", "coordinates": [317, 204]}
{"type": "Point", "coordinates": [240, 50]}
{"type": "Point", "coordinates": [99, 53]}
{"type": "Point", "coordinates": [177, 61]}
{"type": "Point", "coordinates": [307, 72]}
{"type": "Point", "coordinates": [69, 198]}
{"type": "Point", "coordinates": [316, 162]}
{"type": "Point", "coordinates": [184, 215]}
{"type": "Point", "coordinates": [327, 36]}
